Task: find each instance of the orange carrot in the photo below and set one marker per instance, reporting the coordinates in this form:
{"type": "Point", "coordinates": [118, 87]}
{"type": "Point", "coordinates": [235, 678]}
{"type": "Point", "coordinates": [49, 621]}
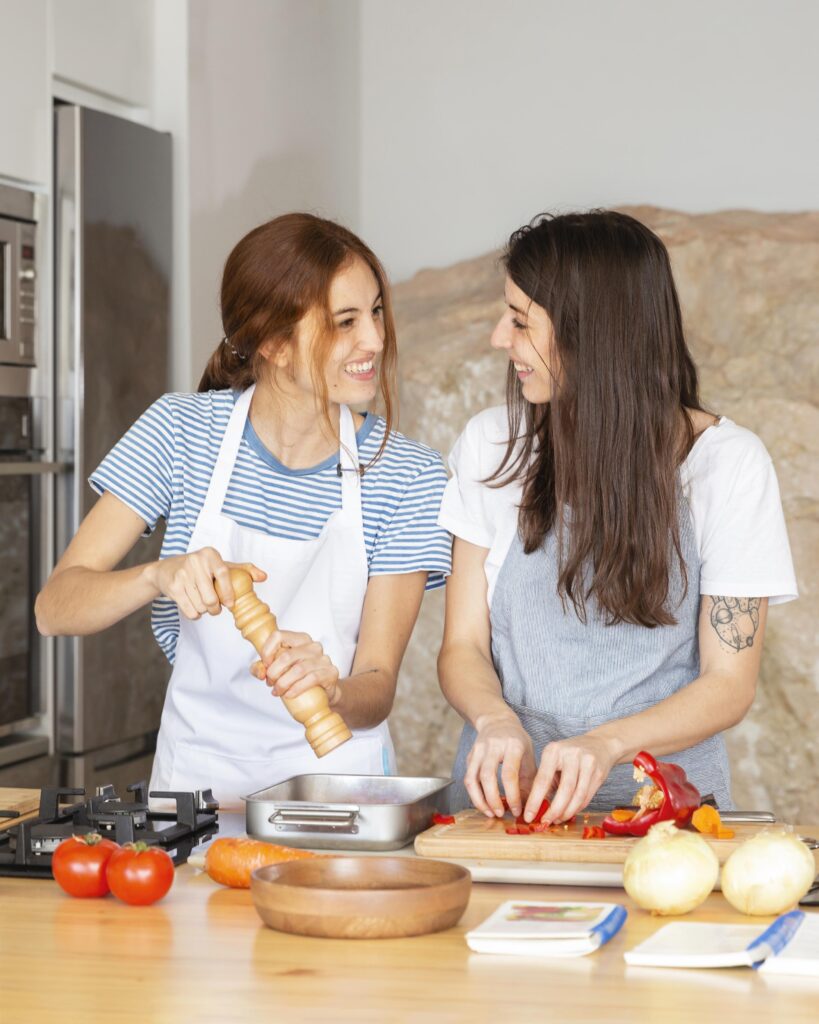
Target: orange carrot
{"type": "Point", "coordinates": [230, 861]}
{"type": "Point", "coordinates": [706, 819]}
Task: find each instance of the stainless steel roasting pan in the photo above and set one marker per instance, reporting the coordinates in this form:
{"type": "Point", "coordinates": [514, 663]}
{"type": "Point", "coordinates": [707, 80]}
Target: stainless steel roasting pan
{"type": "Point", "coordinates": [344, 812]}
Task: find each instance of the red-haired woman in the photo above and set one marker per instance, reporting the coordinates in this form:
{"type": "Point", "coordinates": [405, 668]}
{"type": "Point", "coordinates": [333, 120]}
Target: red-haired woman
{"type": "Point", "coordinates": [333, 511]}
{"type": "Point", "coordinates": [616, 545]}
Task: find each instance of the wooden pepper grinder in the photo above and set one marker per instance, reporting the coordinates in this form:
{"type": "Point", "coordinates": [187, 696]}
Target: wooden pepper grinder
{"type": "Point", "coordinates": [324, 729]}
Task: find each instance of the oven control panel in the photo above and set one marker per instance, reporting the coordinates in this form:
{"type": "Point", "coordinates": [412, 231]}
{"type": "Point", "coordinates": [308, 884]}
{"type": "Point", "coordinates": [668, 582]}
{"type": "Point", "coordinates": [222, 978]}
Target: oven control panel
{"type": "Point", "coordinates": [27, 293]}
{"type": "Point", "coordinates": [19, 284]}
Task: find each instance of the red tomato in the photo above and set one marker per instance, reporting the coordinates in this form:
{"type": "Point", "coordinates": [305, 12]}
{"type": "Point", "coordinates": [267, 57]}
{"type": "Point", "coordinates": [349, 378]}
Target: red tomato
{"type": "Point", "coordinates": [79, 863]}
{"type": "Point", "coordinates": [140, 874]}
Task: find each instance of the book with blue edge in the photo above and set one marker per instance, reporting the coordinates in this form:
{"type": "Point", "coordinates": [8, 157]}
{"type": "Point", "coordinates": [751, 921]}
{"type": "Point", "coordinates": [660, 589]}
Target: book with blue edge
{"type": "Point", "coordinates": [553, 929]}
{"type": "Point", "coordinates": [695, 944]}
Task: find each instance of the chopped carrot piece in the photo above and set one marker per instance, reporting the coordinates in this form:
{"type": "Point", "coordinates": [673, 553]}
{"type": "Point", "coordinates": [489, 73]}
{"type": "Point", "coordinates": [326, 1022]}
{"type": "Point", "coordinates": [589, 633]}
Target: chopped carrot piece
{"type": "Point", "coordinates": [622, 814]}
{"type": "Point", "coordinates": [706, 819]}
{"type": "Point", "coordinates": [725, 833]}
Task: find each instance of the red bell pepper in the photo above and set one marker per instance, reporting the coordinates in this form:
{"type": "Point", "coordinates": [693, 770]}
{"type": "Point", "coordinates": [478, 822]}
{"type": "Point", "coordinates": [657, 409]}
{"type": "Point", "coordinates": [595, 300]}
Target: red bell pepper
{"type": "Point", "coordinates": [593, 832]}
{"type": "Point", "coordinates": [544, 807]}
{"type": "Point", "coordinates": [678, 798]}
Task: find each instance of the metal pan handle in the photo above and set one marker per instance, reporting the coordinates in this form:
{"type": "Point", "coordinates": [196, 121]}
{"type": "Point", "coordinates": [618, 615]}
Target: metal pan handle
{"type": "Point", "coordinates": [315, 818]}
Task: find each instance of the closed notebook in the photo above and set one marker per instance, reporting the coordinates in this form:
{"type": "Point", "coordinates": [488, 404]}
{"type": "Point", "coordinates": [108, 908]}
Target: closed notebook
{"type": "Point", "coordinates": [691, 944]}
{"type": "Point", "coordinates": [801, 954]}
{"type": "Point", "coordinates": [554, 929]}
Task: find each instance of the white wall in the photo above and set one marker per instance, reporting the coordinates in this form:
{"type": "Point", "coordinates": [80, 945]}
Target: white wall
{"type": "Point", "coordinates": [477, 115]}
{"type": "Point", "coordinates": [169, 106]}
{"type": "Point", "coordinates": [273, 127]}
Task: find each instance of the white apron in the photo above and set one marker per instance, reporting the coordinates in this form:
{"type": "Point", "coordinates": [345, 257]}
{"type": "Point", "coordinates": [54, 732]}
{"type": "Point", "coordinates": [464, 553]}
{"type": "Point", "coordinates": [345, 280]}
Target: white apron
{"type": "Point", "coordinates": [221, 727]}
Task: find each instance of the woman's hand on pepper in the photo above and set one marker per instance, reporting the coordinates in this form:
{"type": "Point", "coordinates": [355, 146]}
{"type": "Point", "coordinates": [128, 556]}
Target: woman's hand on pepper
{"type": "Point", "coordinates": [503, 743]}
{"type": "Point", "coordinates": [574, 769]}
{"type": "Point", "coordinates": [294, 662]}
{"type": "Point", "coordinates": [189, 581]}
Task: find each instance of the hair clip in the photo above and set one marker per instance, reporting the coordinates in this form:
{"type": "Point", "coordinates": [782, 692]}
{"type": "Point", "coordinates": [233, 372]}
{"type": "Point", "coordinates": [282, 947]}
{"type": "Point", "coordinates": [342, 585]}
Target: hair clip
{"type": "Point", "coordinates": [233, 349]}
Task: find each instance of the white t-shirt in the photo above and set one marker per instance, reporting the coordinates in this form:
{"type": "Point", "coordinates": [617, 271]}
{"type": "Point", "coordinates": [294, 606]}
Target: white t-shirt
{"type": "Point", "coordinates": [728, 479]}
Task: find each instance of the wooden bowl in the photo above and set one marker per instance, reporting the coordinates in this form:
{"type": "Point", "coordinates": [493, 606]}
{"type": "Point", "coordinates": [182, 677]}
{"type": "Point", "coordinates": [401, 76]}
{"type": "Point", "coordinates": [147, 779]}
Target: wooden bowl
{"type": "Point", "coordinates": [361, 897]}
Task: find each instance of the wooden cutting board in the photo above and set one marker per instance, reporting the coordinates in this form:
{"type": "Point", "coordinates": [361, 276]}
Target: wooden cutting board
{"type": "Point", "coordinates": [25, 801]}
{"type": "Point", "coordinates": [475, 837]}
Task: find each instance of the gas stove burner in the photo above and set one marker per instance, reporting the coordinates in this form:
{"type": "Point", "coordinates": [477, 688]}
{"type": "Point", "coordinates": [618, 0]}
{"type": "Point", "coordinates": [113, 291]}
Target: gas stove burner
{"type": "Point", "coordinates": [192, 818]}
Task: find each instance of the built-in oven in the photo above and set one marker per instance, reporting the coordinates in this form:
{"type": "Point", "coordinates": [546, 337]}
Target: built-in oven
{"type": "Point", "coordinates": [26, 487]}
{"type": "Point", "coordinates": [18, 277]}
{"type": "Point", "coordinates": [21, 502]}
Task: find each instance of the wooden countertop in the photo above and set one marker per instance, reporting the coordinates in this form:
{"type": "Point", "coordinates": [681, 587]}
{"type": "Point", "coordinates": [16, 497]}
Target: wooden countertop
{"type": "Point", "coordinates": [202, 954]}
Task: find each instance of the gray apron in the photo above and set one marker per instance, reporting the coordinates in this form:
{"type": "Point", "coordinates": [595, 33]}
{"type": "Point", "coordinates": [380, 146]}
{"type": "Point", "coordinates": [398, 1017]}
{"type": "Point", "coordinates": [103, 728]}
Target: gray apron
{"type": "Point", "coordinates": [562, 677]}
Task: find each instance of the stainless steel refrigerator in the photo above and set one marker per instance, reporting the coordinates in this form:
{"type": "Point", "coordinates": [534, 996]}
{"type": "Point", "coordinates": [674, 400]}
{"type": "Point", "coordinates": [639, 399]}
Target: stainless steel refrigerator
{"type": "Point", "coordinates": [112, 211]}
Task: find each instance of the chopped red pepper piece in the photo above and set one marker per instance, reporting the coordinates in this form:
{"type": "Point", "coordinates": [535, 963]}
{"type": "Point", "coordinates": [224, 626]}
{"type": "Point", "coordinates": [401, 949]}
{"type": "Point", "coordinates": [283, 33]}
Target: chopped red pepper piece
{"type": "Point", "coordinates": [679, 799]}
{"type": "Point", "coordinates": [593, 832]}
{"type": "Point", "coordinates": [544, 807]}
{"type": "Point", "coordinates": [443, 819]}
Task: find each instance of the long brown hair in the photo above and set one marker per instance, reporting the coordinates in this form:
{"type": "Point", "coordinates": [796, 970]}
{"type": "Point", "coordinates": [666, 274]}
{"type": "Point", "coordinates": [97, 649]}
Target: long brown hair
{"type": "Point", "coordinates": [598, 462]}
{"type": "Point", "coordinates": [273, 277]}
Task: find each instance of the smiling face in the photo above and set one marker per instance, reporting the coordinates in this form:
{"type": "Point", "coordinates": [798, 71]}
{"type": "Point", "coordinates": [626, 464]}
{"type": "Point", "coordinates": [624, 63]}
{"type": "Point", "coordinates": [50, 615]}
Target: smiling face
{"type": "Point", "coordinates": [525, 333]}
{"type": "Point", "coordinates": [349, 357]}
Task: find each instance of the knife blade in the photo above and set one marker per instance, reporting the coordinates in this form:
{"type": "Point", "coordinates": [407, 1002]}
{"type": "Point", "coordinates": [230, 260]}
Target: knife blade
{"type": "Point", "coordinates": [750, 817]}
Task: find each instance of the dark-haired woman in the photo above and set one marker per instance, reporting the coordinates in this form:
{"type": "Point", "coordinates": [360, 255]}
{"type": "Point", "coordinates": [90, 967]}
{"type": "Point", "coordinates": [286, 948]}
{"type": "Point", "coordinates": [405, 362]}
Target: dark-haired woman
{"type": "Point", "coordinates": [267, 465]}
{"type": "Point", "coordinates": [616, 545]}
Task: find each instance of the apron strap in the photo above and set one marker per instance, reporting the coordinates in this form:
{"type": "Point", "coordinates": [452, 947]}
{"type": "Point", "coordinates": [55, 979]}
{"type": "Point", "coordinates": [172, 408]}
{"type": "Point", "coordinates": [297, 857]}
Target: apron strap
{"type": "Point", "coordinates": [226, 459]}
{"type": "Point", "coordinates": [348, 464]}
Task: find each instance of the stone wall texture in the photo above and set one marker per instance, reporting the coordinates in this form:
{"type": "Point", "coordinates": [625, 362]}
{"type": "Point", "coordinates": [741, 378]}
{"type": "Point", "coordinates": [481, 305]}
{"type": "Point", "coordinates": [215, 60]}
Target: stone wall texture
{"type": "Point", "coordinates": [749, 287]}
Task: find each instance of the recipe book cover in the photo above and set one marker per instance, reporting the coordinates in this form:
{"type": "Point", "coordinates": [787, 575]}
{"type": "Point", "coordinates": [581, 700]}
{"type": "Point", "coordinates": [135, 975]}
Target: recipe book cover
{"type": "Point", "coordinates": [696, 944]}
{"type": "Point", "coordinates": [535, 928]}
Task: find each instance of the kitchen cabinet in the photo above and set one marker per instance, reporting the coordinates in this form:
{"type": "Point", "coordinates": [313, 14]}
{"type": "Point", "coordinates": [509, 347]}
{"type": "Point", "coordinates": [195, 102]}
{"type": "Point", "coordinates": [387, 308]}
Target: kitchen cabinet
{"type": "Point", "coordinates": [102, 46]}
{"type": "Point", "coordinates": [25, 101]}
{"type": "Point", "coordinates": [105, 46]}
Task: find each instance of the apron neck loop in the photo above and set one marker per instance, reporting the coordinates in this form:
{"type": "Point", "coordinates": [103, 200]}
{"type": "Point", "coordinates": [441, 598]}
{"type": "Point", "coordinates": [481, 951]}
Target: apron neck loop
{"type": "Point", "coordinates": [348, 464]}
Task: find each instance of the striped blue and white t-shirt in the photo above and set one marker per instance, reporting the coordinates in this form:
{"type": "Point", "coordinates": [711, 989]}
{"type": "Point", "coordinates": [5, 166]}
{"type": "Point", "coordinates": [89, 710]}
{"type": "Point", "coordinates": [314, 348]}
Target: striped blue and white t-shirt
{"type": "Point", "coordinates": [162, 467]}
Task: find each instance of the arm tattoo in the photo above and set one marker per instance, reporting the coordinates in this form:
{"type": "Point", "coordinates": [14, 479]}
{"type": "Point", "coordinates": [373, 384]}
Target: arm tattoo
{"type": "Point", "coordinates": [736, 620]}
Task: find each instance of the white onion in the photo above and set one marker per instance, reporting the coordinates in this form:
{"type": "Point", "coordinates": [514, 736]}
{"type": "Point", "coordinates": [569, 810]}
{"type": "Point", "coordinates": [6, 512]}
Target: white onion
{"type": "Point", "coordinates": [669, 871]}
{"type": "Point", "coordinates": [768, 874]}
